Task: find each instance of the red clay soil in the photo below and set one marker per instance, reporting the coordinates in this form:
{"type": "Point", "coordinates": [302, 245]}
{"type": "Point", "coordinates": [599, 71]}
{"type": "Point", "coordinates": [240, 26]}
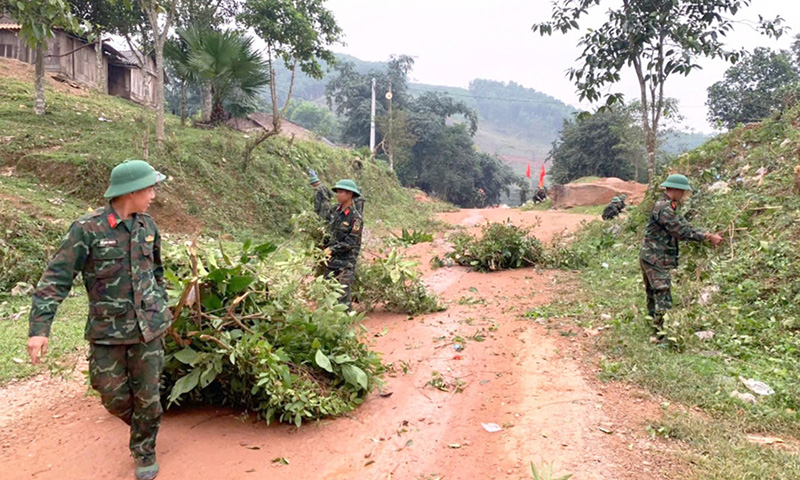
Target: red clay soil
{"type": "Point", "coordinates": [535, 383]}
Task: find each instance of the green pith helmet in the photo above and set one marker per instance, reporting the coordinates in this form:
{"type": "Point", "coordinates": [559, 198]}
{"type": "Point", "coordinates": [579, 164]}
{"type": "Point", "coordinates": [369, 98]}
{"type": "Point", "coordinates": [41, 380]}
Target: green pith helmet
{"type": "Point", "coordinates": [615, 200]}
{"type": "Point", "coordinates": [347, 185]}
{"type": "Point", "coordinates": [131, 176]}
{"type": "Point", "coordinates": [678, 182]}
{"type": "Point", "coordinates": [623, 197]}
{"type": "Point", "coordinates": [312, 176]}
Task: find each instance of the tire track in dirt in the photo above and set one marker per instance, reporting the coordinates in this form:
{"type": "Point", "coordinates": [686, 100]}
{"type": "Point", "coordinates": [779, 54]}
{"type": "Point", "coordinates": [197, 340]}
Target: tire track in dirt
{"type": "Point", "coordinates": [530, 380]}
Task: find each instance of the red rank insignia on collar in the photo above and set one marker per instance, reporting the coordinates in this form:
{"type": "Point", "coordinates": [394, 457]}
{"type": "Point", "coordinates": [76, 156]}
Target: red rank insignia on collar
{"type": "Point", "coordinates": [112, 220]}
{"type": "Point", "coordinates": [674, 206]}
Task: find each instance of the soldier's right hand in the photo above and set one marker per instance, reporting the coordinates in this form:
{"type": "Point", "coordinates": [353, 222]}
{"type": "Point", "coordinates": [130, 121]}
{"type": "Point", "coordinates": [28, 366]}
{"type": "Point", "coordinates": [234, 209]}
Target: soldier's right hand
{"type": "Point", "coordinates": [37, 348]}
{"type": "Point", "coordinates": [715, 239]}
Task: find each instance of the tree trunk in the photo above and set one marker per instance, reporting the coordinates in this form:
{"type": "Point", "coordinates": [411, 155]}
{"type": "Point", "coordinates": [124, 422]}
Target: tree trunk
{"type": "Point", "coordinates": [205, 93]}
{"type": "Point", "coordinates": [218, 112]}
{"type": "Point", "coordinates": [39, 104]}
{"type": "Point", "coordinates": [159, 89]}
{"type": "Point", "coordinates": [650, 144]}
{"type": "Point", "coordinates": [102, 83]}
{"type": "Point", "coordinates": [183, 103]}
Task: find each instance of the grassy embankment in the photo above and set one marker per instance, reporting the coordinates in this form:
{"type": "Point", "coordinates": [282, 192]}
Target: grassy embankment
{"type": "Point", "coordinates": [56, 167]}
{"type": "Point", "coordinates": [747, 292]}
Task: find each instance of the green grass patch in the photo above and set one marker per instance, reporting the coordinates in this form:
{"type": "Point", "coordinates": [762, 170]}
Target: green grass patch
{"type": "Point", "coordinates": [66, 338]}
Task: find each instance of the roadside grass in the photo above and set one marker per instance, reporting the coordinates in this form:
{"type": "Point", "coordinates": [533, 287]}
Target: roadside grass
{"type": "Point", "coordinates": [66, 339]}
{"type": "Point", "coordinates": [747, 292]}
{"type": "Point", "coordinates": [587, 209]}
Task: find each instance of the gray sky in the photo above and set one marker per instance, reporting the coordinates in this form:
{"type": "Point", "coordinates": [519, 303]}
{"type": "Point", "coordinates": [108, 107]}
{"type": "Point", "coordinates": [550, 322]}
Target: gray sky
{"type": "Point", "coordinates": [456, 41]}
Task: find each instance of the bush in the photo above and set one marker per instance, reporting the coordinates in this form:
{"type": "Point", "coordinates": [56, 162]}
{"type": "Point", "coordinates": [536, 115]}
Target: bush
{"type": "Point", "coordinates": [501, 246]}
{"type": "Point", "coordinates": [253, 332]}
{"type": "Point", "coordinates": [396, 284]}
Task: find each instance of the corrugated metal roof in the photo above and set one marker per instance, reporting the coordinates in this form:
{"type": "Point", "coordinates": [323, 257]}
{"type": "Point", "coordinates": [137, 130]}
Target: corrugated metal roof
{"type": "Point", "coordinates": [10, 26]}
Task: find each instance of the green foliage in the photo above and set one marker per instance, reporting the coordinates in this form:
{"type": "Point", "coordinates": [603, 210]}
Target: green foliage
{"type": "Point", "coordinates": [225, 61]}
{"type": "Point", "coordinates": [252, 340]}
{"type": "Point", "coordinates": [763, 82]}
{"type": "Point", "coordinates": [431, 155]}
{"type": "Point", "coordinates": [500, 247]}
{"type": "Point", "coordinates": [395, 284]}
{"type": "Point", "coordinates": [411, 237]}
{"type": "Point", "coordinates": [313, 117]}
{"type": "Point", "coordinates": [605, 144]}
{"type": "Point", "coordinates": [670, 38]}
{"type": "Point", "coordinates": [545, 472]}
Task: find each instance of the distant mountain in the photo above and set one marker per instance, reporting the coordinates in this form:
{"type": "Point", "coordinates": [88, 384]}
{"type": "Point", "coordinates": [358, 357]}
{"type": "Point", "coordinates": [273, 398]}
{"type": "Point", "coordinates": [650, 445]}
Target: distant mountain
{"type": "Point", "coordinates": [517, 123]}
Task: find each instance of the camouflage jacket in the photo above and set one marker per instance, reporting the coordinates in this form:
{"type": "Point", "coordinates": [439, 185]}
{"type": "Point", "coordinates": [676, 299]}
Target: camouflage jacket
{"type": "Point", "coordinates": [345, 237]}
{"type": "Point", "coordinates": [664, 229]}
{"type": "Point", "coordinates": [123, 275]}
{"type": "Point", "coordinates": [322, 202]}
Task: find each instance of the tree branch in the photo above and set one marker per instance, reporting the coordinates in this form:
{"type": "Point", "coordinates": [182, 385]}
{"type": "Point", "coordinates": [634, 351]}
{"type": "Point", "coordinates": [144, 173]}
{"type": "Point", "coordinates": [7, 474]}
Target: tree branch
{"type": "Point", "coordinates": [291, 88]}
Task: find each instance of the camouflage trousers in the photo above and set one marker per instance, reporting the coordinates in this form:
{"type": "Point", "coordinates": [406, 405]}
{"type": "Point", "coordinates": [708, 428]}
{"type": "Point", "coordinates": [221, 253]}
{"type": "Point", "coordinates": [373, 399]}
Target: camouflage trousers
{"type": "Point", "coordinates": [658, 285]}
{"type": "Point", "coordinates": [346, 276]}
{"type": "Point", "coordinates": [127, 377]}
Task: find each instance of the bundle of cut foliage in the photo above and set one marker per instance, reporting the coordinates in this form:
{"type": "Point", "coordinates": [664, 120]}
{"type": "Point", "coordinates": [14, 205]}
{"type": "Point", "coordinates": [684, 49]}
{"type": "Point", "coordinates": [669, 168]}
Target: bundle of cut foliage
{"type": "Point", "coordinates": [396, 284]}
{"type": "Point", "coordinates": [257, 331]}
{"type": "Point", "coordinates": [410, 237]}
{"type": "Point", "coordinates": [501, 246]}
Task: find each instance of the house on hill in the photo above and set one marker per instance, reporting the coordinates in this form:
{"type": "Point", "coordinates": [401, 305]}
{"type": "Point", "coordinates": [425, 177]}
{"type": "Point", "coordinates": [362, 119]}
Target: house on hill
{"type": "Point", "coordinates": [128, 75]}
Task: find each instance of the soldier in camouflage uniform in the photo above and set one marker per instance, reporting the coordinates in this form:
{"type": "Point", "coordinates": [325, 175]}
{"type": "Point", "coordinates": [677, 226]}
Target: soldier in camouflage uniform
{"type": "Point", "coordinates": [613, 209]}
{"type": "Point", "coordinates": [117, 249]}
{"type": "Point", "coordinates": [322, 196]}
{"type": "Point", "coordinates": [659, 253]}
{"type": "Point", "coordinates": [344, 243]}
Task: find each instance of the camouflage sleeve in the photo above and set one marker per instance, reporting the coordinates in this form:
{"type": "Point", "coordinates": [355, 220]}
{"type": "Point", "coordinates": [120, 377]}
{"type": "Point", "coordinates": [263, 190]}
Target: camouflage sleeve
{"type": "Point", "coordinates": [322, 202]}
{"type": "Point", "coordinates": [57, 279]}
{"type": "Point", "coordinates": [678, 227]}
{"type": "Point", "coordinates": [158, 268]}
{"type": "Point", "coordinates": [350, 241]}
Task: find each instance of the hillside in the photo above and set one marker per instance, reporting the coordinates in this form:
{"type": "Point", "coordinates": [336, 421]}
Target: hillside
{"type": "Point", "coordinates": [54, 167]}
{"type": "Point", "coordinates": [737, 307]}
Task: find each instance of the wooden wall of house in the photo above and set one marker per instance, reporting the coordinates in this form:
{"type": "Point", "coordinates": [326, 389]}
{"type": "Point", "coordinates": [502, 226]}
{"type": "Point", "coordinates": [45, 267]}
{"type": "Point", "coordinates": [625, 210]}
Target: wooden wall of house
{"type": "Point", "coordinates": [143, 92]}
{"type": "Point", "coordinates": [79, 65]}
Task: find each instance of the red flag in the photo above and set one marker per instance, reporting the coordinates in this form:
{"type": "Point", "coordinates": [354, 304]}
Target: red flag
{"type": "Point", "coordinates": [528, 171]}
{"type": "Point", "coordinates": [541, 176]}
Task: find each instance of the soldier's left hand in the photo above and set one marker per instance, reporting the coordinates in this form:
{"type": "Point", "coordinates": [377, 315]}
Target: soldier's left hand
{"type": "Point", "coordinates": [327, 253]}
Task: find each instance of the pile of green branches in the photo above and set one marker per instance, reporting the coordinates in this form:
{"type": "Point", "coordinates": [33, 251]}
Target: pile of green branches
{"type": "Point", "coordinates": [259, 332]}
{"type": "Point", "coordinates": [394, 283]}
{"type": "Point", "coordinates": [501, 246]}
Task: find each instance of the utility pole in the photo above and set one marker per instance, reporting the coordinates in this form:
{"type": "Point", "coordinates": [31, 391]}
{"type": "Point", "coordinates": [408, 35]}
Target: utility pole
{"type": "Point", "coordinates": [372, 120]}
{"type": "Point", "coordinates": [391, 121]}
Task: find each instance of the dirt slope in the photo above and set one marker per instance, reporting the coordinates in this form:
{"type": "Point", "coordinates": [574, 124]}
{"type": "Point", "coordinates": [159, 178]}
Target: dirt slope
{"type": "Point", "coordinates": [532, 381]}
{"type": "Point", "coordinates": [599, 192]}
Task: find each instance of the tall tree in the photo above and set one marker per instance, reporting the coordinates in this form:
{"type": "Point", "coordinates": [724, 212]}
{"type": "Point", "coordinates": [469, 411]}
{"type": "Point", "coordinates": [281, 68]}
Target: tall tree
{"type": "Point", "coordinates": [603, 144]}
{"type": "Point", "coordinates": [297, 32]}
{"type": "Point", "coordinates": [657, 38]}
{"type": "Point", "coordinates": [761, 83]}
{"type": "Point", "coordinates": [37, 19]}
{"type": "Point", "coordinates": [155, 9]}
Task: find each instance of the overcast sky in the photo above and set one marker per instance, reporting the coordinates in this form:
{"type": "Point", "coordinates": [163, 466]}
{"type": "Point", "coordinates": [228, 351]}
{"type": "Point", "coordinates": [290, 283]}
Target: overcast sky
{"type": "Point", "coordinates": [455, 41]}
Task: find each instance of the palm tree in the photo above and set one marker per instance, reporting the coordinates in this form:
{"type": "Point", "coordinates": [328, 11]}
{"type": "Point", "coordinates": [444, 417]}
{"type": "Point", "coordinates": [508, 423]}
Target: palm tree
{"type": "Point", "coordinates": [227, 61]}
{"type": "Point", "coordinates": [176, 51]}
{"type": "Point", "coordinates": [232, 66]}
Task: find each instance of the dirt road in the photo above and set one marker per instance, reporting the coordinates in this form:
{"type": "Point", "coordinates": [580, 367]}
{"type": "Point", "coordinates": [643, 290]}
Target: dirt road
{"type": "Point", "coordinates": [512, 371]}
